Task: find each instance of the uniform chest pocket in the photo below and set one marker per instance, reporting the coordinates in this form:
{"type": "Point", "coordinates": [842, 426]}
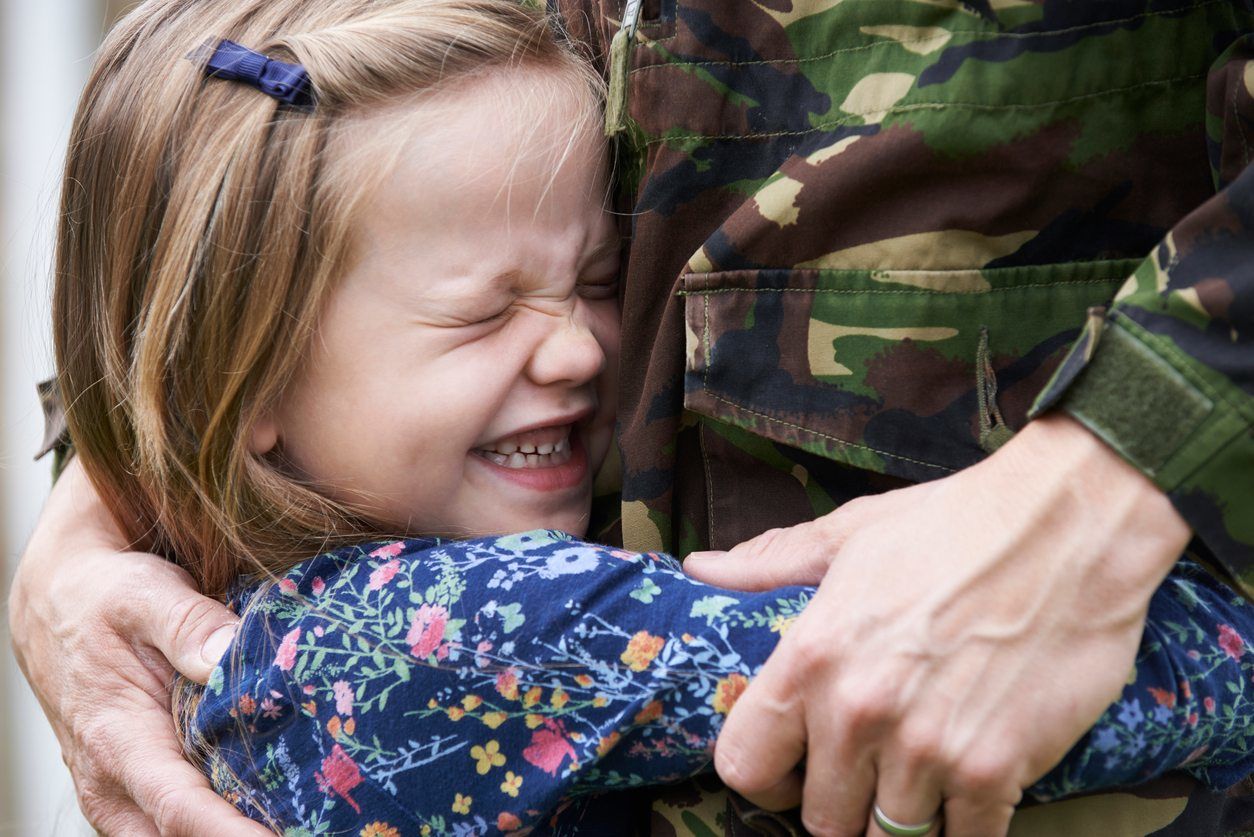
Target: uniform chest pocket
{"type": "Point", "coordinates": [909, 373]}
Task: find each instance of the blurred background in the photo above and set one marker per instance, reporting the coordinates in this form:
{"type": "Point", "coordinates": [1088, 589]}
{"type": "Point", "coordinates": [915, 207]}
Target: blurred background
{"type": "Point", "coordinates": [46, 50]}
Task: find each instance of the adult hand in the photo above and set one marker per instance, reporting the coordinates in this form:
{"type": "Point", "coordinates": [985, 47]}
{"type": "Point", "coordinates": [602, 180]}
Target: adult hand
{"type": "Point", "coordinates": [93, 629]}
{"type": "Point", "coordinates": [965, 633]}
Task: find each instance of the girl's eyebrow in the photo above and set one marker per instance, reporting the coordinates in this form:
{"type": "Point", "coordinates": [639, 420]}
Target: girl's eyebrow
{"type": "Point", "coordinates": [509, 278]}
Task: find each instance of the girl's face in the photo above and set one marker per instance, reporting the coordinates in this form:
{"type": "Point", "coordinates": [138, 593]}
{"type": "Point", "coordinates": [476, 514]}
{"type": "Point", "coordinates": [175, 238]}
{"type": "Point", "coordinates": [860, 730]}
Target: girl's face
{"type": "Point", "coordinates": [462, 377]}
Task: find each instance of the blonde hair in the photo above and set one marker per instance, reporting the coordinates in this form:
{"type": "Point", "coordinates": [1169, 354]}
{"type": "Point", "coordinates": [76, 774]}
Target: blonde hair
{"type": "Point", "coordinates": [202, 226]}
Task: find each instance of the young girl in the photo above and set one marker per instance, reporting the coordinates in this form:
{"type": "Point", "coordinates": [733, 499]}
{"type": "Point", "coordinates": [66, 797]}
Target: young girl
{"type": "Point", "coordinates": [353, 283]}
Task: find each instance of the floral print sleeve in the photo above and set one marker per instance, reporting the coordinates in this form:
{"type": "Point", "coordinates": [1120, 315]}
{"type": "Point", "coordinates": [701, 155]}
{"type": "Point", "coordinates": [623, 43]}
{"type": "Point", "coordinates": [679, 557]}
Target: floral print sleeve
{"type": "Point", "coordinates": [469, 687]}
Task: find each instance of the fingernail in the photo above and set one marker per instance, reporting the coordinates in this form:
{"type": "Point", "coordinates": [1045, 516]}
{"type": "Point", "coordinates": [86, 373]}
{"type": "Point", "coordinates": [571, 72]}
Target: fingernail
{"type": "Point", "coordinates": [701, 556]}
{"type": "Point", "coordinates": [217, 643]}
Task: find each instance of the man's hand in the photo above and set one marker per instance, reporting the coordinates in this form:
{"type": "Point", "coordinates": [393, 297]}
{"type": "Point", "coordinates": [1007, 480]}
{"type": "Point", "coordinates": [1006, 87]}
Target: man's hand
{"type": "Point", "coordinates": [966, 632]}
{"type": "Point", "coordinates": [93, 629]}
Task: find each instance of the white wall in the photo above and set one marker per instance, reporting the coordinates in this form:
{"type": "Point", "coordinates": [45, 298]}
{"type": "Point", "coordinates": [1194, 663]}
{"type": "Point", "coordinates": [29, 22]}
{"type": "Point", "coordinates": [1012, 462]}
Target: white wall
{"type": "Point", "coordinates": [45, 52]}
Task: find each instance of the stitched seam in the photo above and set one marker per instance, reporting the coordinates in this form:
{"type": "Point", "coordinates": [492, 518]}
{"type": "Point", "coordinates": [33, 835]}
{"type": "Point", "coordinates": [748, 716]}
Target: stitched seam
{"type": "Point", "coordinates": [878, 291]}
{"type": "Point", "coordinates": [827, 436]}
{"type": "Point", "coordinates": [1183, 364]}
{"type": "Point", "coordinates": [705, 348]}
{"type": "Point", "coordinates": [709, 486]}
{"type": "Point", "coordinates": [889, 43]}
{"type": "Point", "coordinates": [918, 106]}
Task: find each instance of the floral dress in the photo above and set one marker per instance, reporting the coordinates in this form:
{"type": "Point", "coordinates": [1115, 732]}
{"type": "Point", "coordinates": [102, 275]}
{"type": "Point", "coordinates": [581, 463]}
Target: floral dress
{"type": "Point", "coordinates": [428, 687]}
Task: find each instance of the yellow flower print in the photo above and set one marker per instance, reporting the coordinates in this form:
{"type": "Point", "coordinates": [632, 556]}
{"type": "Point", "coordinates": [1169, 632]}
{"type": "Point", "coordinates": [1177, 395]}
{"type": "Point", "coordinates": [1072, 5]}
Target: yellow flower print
{"type": "Point", "coordinates": [559, 699]}
{"type": "Point", "coordinates": [641, 649]}
{"type": "Point", "coordinates": [493, 719]}
{"type": "Point", "coordinates": [650, 713]}
{"type": "Point", "coordinates": [512, 783]}
{"type": "Point", "coordinates": [607, 743]}
{"type": "Point", "coordinates": [461, 804]}
{"type": "Point", "coordinates": [471, 702]}
{"type": "Point", "coordinates": [533, 720]}
{"type": "Point", "coordinates": [780, 624]}
{"type": "Point", "coordinates": [425, 831]}
{"type": "Point", "coordinates": [600, 700]}
{"type": "Point", "coordinates": [379, 829]}
{"type": "Point", "coordinates": [532, 697]}
{"type": "Point", "coordinates": [455, 713]}
{"type": "Point", "coordinates": [583, 680]}
{"type": "Point", "coordinates": [728, 692]}
{"type": "Point", "coordinates": [488, 756]}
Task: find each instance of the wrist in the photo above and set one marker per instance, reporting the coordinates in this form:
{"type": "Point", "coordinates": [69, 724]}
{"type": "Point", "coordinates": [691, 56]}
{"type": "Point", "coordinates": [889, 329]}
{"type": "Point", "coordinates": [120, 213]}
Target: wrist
{"type": "Point", "coordinates": [1112, 503]}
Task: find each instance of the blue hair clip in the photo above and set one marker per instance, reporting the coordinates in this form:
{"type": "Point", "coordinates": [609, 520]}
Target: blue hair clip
{"type": "Point", "coordinates": [289, 83]}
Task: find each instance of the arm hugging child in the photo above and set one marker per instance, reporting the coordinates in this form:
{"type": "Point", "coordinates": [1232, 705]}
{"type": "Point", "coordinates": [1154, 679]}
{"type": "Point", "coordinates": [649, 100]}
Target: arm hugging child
{"type": "Point", "coordinates": [349, 292]}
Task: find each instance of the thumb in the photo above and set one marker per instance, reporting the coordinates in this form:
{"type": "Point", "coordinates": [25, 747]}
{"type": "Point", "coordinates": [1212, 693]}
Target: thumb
{"type": "Point", "coordinates": [776, 558]}
{"type": "Point", "coordinates": [192, 631]}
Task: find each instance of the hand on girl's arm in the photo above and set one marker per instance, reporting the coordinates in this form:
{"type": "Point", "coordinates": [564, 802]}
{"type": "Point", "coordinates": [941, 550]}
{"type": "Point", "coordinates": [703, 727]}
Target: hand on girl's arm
{"type": "Point", "coordinates": [93, 629]}
{"type": "Point", "coordinates": [965, 634]}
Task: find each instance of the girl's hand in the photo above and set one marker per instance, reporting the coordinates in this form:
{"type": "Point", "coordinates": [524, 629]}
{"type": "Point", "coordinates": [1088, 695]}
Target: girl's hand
{"type": "Point", "coordinates": [965, 634]}
{"type": "Point", "coordinates": [96, 630]}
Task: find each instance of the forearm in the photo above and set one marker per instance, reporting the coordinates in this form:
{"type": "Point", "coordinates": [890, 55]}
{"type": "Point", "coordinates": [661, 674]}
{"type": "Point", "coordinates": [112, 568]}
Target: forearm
{"type": "Point", "coordinates": [514, 673]}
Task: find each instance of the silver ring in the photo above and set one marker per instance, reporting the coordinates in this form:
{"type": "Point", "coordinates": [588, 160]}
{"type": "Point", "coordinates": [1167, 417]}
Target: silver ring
{"type": "Point", "coordinates": [901, 829]}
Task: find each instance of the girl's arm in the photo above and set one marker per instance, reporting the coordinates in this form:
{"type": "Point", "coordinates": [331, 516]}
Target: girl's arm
{"type": "Point", "coordinates": [480, 683]}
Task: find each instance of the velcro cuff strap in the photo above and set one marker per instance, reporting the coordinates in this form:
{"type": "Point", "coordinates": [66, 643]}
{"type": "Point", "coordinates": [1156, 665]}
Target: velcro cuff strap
{"type": "Point", "coordinates": [1136, 401]}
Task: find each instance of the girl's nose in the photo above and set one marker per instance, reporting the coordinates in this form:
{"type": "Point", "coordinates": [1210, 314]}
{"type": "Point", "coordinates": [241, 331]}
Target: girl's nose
{"type": "Point", "coordinates": [570, 353]}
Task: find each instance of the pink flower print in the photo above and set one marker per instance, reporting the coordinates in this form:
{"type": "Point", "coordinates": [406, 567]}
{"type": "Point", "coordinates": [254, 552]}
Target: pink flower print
{"type": "Point", "coordinates": [343, 697]}
{"type": "Point", "coordinates": [286, 656]}
{"type": "Point", "coordinates": [318, 585]}
{"type": "Point", "coordinates": [270, 709]}
{"type": "Point", "coordinates": [482, 648]}
{"type": "Point", "coordinates": [1231, 642]}
{"type": "Point", "coordinates": [287, 587]}
{"type": "Point", "coordinates": [548, 747]}
{"type": "Point", "coordinates": [383, 574]}
{"type": "Point", "coordinates": [427, 630]}
{"type": "Point", "coordinates": [390, 550]}
{"type": "Point", "coordinates": [339, 774]}
{"type": "Point", "coordinates": [1209, 704]}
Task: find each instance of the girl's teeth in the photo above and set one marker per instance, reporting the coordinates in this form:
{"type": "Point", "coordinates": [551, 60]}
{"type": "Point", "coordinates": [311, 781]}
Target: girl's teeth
{"type": "Point", "coordinates": [506, 448]}
{"type": "Point", "coordinates": [558, 455]}
{"type": "Point", "coordinates": [527, 447]}
{"type": "Point", "coordinates": [544, 450]}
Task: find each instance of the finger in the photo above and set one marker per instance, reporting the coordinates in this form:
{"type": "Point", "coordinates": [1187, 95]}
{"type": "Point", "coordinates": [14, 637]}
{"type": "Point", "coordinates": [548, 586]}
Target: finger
{"type": "Point", "coordinates": [840, 781]}
{"type": "Point", "coordinates": [117, 818]}
{"type": "Point", "coordinates": [759, 766]}
{"type": "Point", "coordinates": [190, 630]}
{"type": "Point", "coordinates": [967, 816]}
{"type": "Point", "coordinates": [776, 558]}
{"type": "Point", "coordinates": [178, 799]}
{"type": "Point", "coordinates": [907, 791]}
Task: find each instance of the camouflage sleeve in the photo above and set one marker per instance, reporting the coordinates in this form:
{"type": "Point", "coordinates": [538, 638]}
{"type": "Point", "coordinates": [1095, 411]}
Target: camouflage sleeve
{"type": "Point", "coordinates": [1166, 374]}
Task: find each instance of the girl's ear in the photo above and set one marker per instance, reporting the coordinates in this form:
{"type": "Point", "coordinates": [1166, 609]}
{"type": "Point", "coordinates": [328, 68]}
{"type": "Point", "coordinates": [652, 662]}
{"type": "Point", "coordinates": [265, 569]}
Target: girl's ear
{"type": "Point", "coordinates": [265, 435]}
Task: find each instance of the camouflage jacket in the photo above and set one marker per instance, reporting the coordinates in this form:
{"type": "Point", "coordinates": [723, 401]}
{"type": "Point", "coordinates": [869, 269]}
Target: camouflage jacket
{"type": "Point", "coordinates": [871, 238]}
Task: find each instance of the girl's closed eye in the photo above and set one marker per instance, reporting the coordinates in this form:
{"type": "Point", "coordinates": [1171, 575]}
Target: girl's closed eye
{"type": "Point", "coordinates": [599, 287]}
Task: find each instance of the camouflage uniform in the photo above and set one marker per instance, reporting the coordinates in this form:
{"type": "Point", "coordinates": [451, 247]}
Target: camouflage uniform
{"type": "Point", "coordinates": [872, 238]}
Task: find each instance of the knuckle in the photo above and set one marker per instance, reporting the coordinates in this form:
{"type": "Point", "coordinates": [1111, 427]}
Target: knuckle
{"type": "Point", "coordinates": [167, 809]}
{"type": "Point", "coordinates": [922, 748]}
{"type": "Point", "coordinates": [187, 617]}
{"type": "Point", "coordinates": [811, 649]}
{"type": "Point", "coordinates": [737, 771]}
{"type": "Point", "coordinates": [861, 706]}
{"type": "Point", "coordinates": [986, 775]}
